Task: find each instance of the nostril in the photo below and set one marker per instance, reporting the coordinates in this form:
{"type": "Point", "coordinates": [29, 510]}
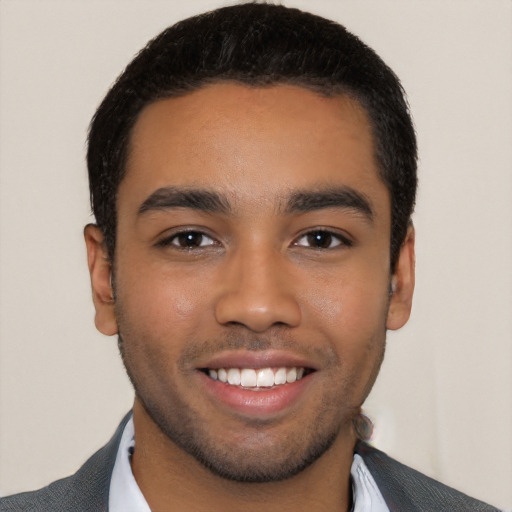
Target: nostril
{"type": "Point", "coordinates": [258, 312]}
{"type": "Point", "coordinates": [234, 324]}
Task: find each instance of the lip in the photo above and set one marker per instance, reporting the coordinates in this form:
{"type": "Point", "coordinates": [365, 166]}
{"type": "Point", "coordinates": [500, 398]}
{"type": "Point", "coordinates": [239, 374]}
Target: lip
{"type": "Point", "coordinates": [266, 359]}
{"type": "Point", "coordinates": [263, 402]}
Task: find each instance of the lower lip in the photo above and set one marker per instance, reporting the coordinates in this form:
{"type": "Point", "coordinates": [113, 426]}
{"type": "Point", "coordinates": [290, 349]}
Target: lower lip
{"type": "Point", "coordinates": [264, 401]}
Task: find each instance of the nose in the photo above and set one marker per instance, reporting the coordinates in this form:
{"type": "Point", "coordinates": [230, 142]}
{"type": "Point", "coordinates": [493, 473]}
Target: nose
{"type": "Point", "coordinates": [257, 292]}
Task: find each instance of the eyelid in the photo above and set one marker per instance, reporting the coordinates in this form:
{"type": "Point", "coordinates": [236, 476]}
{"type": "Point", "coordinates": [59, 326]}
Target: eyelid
{"type": "Point", "coordinates": [171, 235]}
{"type": "Point", "coordinates": [343, 239]}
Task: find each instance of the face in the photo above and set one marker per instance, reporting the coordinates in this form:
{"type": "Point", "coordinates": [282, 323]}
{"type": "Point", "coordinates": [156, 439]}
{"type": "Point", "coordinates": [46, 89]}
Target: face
{"type": "Point", "coordinates": [252, 274]}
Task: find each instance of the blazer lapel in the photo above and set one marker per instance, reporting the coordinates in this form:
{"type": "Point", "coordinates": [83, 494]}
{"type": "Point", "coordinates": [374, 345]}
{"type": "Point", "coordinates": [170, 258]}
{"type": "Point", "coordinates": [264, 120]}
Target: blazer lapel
{"type": "Point", "coordinates": [405, 489]}
{"type": "Point", "coordinates": [390, 484]}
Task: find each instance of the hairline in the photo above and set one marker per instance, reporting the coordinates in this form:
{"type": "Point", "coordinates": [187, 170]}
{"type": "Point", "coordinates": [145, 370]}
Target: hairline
{"type": "Point", "coordinates": [346, 67]}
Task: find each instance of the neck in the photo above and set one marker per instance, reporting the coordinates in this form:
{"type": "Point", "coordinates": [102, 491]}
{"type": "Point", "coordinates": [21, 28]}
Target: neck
{"type": "Point", "coordinates": [171, 479]}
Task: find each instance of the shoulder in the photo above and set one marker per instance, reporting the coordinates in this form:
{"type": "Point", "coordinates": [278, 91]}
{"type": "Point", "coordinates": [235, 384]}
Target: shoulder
{"type": "Point", "coordinates": [404, 488]}
{"type": "Point", "coordinates": [86, 490]}
{"type": "Point", "coordinates": [53, 497]}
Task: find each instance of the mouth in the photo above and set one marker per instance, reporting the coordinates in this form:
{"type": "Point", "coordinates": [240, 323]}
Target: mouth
{"type": "Point", "coordinates": [257, 385]}
{"type": "Point", "coordinates": [257, 379]}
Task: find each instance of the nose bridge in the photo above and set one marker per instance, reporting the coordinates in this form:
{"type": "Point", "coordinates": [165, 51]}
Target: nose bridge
{"type": "Point", "coordinates": [257, 289]}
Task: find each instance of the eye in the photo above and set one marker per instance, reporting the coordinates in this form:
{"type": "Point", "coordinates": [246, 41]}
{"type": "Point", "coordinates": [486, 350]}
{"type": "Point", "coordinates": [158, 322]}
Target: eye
{"type": "Point", "coordinates": [188, 240]}
{"type": "Point", "coordinates": [322, 239]}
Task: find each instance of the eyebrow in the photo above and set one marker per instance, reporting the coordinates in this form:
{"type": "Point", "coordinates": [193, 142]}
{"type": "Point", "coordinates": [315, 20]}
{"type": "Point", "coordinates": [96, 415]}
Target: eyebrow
{"type": "Point", "coordinates": [174, 197]}
{"type": "Point", "coordinates": [298, 202]}
{"type": "Point", "coordinates": [342, 197]}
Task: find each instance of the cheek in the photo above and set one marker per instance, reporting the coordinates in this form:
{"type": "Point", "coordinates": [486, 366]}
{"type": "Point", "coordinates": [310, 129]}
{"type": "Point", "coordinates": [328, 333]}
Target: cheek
{"type": "Point", "coordinates": [364, 320]}
{"type": "Point", "coordinates": [324, 304]}
{"type": "Point", "coordinates": [163, 303]}
{"type": "Point", "coordinates": [158, 317]}
{"type": "Point", "coordinates": [181, 304]}
{"type": "Point", "coordinates": [347, 302]}
{"type": "Point", "coordinates": [351, 312]}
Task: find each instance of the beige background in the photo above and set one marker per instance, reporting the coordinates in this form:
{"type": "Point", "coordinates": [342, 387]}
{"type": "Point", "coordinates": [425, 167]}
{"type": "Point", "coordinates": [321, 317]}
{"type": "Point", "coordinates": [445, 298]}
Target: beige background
{"type": "Point", "coordinates": [443, 403]}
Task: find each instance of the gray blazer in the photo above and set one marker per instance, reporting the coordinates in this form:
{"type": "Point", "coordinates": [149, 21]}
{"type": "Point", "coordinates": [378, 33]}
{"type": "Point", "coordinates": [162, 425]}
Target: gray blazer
{"type": "Point", "coordinates": [403, 488]}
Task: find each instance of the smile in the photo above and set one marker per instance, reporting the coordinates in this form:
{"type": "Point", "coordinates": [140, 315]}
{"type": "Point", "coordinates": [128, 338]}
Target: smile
{"type": "Point", "coordinates": [257, 378]}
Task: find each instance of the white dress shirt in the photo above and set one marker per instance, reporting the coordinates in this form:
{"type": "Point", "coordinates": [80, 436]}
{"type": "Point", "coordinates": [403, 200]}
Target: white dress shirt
{"type": "Point", "coordinates": [125, 495]}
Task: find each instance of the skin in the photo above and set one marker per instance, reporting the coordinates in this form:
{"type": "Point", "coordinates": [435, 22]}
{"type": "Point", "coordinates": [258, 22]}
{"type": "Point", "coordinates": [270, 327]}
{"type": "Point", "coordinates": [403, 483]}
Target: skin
{"type": "Point", "coordinates": [263, 281]}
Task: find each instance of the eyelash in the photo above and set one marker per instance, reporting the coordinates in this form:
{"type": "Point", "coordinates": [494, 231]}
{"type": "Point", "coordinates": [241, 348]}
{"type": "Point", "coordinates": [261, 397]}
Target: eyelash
{"type": "Point", "coordinates": [342, 241]}
{"type": "Point", "coordinates": [322, 235]}
{"type": "Point", "coordinates": [168, 241]}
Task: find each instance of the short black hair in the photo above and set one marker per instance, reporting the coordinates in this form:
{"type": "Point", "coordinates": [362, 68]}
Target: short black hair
{"type": "Point", "coordinates": [258, 45]}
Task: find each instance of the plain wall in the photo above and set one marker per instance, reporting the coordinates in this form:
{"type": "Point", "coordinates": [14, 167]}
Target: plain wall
{"type": "Point", "coordinates": [443, 402]}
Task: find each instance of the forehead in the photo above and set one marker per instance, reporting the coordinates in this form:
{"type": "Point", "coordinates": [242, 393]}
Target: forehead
{"type": "Point", "coordinates": [255, 144]}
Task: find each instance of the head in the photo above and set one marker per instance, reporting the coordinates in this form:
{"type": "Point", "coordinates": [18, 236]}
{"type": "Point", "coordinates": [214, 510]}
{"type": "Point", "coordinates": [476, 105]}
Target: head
{"type": "Point", "coordinates": [258, 45]}
{"type": "Point", "coordinates": [252, 175]}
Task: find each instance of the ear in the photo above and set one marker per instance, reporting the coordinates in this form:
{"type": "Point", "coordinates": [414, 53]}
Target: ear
{"type": "Point", "coordinates": [402, 284]}
{"type": "Point", "coordinates": [100, 270]}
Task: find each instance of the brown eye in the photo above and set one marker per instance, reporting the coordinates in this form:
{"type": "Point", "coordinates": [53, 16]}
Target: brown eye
{"type": "Point", "coordinates": [189, 240]}
{"type": "Point", "coordinates": [322, 239]}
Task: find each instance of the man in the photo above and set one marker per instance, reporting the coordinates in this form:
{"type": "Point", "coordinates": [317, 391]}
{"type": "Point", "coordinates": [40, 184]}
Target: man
{"type": "Point", "coordinates": [252, 174]}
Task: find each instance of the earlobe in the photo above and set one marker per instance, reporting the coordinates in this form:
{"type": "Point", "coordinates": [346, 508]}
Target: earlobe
{"type": "Point", "coordinates": [402, 284]}
{"type": "Point", "coordinates": [100, 270]}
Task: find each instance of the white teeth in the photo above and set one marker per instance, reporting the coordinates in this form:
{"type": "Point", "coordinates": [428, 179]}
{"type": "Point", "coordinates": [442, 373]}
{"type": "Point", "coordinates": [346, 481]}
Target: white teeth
{"type": "Point", "coordinates": [257, 378]}
{"type": "Point", "coordinates": [248, 378]}
{"type": "Point", "coordinates": [280, 376]}
{"type": "Point", "coordinates": [265, 378]}
{"type": "Point", "coordinates": [234, 376]}
{"type": "Point", "coordinates": [291, 375]}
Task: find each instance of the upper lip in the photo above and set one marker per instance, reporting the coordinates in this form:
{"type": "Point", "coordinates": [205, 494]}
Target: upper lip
{"type": "Point", "coordinates": [260, 359]}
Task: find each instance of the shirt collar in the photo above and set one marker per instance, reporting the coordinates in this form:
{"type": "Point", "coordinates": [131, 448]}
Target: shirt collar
{"type": "Point", "coordinates": [366, 494]}
{"type": "Point", "coordinates": [125, 495]}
